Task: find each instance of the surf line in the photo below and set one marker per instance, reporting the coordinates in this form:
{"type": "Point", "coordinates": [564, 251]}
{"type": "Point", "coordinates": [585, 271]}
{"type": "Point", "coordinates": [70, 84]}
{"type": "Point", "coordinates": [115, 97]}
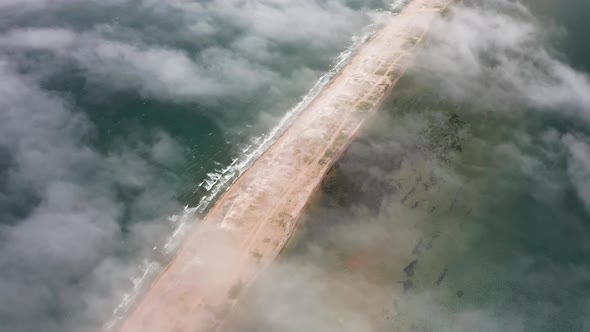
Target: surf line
{"type": "Point", "coordinates": [250, 223]}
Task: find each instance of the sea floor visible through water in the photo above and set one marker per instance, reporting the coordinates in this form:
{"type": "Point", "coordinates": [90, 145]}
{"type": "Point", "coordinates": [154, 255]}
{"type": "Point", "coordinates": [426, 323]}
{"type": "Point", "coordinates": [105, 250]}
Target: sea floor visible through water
{"type": "Point", "coordinates": [430, 223]}
{"type": "Point", "coordinates": [434, 230]}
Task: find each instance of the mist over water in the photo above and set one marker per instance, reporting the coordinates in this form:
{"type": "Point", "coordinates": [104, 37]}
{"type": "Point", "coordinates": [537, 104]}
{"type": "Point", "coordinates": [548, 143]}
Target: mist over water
{"type": "Point", "coordinates": [119, 114]}
{"type": "Point", "coordinates": [462, 207]}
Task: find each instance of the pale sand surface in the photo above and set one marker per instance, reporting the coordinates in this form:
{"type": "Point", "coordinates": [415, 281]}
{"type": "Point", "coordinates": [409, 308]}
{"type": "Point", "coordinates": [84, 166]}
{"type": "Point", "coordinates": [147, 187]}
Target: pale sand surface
{"type": "Point", "coordinates": [250, 224]}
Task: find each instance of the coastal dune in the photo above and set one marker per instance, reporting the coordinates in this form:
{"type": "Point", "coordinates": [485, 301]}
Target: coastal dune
{"type": "Point", "coordinates": [251, 223]}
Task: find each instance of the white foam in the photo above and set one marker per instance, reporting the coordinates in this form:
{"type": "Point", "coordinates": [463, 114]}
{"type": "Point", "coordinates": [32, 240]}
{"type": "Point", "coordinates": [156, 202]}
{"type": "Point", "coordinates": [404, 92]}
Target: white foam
{"type": "Point", "coordinates": [218, 181]}
{"type": "Point", "coordinates": [260, 144]}
{"type": "Point", "coordinates": [146, 270]}
{"type": "Point", "coordinates": [396, 6]}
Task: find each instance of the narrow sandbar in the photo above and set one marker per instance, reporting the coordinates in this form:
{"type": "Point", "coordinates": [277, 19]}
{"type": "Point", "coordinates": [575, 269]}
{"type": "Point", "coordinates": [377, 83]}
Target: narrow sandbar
{"type": "Point", "coordinates": [250, 224]}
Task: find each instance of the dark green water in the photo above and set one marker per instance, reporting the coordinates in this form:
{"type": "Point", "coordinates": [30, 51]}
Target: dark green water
{"type": "Point", "coordinates": [511, 251]}
{"type": "Point", "coordinates": [450, 214]}
{"type": "Point", "coordinates": [115, 113]}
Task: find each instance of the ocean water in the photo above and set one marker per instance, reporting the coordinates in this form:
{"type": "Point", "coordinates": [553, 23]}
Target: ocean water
{"type": "Point", "coordinates": [525, 264]}
{"type": "Point", "coordinates": [452, 211]}
{"type": "Point", "coordinates": [123, 120]}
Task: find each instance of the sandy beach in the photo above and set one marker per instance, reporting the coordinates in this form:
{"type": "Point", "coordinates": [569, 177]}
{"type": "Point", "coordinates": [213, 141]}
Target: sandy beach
{"type": "Point", "coordinates": [250, 224]}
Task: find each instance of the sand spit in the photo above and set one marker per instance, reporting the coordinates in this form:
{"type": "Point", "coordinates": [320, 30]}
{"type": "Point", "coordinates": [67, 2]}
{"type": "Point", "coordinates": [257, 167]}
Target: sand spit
{"type": "Point", "coordinates": [250, 224]}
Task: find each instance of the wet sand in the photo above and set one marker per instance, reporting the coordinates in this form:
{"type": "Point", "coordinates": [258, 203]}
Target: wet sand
{"type": "Point", "coordinates": [250, 224]}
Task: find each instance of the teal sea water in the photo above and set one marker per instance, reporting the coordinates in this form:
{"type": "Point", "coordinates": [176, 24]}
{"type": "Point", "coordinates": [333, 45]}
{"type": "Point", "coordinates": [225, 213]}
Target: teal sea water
{"type": "Point", "coordinates": [123, 120]}
{"type": "Point", "coordinates": [526, 265]}
{"type": "Point", "coordinates": [451, 212]}
{"type": "Point", "coordinates": [470, 207]}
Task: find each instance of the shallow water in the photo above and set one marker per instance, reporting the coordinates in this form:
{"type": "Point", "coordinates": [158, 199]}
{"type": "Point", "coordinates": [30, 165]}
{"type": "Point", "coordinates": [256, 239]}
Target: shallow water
{"type": "Point", "coordinates": [498, 226]}
{"type": "Point", "coordinates": [445, 216]}
{"type": "Point", "coordinates": [120, 117]}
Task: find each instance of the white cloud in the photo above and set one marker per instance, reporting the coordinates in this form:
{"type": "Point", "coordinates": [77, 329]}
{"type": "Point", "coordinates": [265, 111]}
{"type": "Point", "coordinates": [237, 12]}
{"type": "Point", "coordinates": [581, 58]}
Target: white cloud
{"type": "Point", "coordinates": [128, 58]}
{"type": "Point", "coordinates": [579, 166]}
{"type": "Point", "coordinates": [497, 55]}
{"type": "Point", "coordinates": [71, 225]}
{"type": "Point", "coordinates": [65, 253]}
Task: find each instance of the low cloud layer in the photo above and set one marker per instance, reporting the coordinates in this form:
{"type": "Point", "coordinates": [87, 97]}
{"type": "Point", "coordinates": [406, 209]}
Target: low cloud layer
{"type": "Point", "coordinates": [77, 216]}
{"type": "Point", "coordinates": [76, 219]}
{"type": "Point", "coordinates": [517, 180]}
{"type": "Point", "coordinates": [501, 53]}
{"type": "Point", "coordinates": [201, 51]}
{"type": "Point", "coordinates": [60, 212]}
{"type": "Point", "coordinates": [498, 56]}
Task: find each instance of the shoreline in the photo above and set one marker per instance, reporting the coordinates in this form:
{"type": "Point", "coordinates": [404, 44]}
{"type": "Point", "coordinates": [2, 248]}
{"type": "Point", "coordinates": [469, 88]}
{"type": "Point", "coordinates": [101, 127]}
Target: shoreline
{"type": "Point", "coordinates": [150, 269]}
{"type": "Point", "coordinates": [252, 221]}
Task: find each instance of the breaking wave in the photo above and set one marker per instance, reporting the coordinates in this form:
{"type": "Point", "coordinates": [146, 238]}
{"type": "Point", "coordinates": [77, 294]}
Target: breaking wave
{"type": "Point", "coordinates": [216, 182]}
